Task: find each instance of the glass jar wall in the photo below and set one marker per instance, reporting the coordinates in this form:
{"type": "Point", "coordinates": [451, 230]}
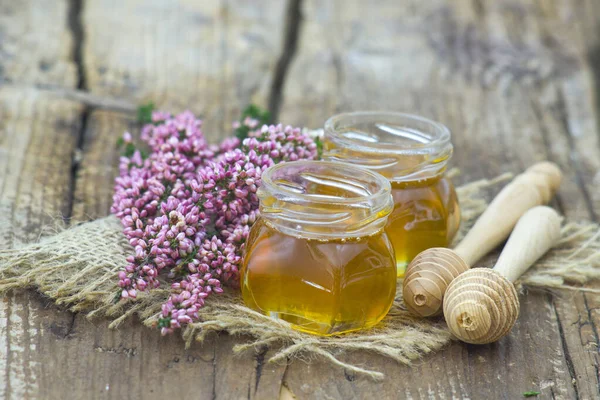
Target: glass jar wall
{"type": "Point", "coordinates": [412, 153]}
{"type": "Point", "coordinates": [319, 257]}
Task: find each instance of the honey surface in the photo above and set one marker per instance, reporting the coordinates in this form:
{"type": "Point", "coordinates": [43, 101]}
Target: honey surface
{"type": "Point", "coordinates": [319, 286]}
{"type": "Point", "coordinates": [425, 215]}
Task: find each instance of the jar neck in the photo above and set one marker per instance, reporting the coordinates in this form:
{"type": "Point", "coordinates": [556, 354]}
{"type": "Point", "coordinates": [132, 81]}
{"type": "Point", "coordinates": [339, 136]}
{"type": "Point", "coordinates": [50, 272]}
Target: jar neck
{"type": "Point", "coordinates": [417, 166]}
{"type": "Point", "coordinates": [420, 181]}
{"type": "Point", "coordinates": [401, 147]}
{"type": "Point", "coordinates": [324, 200]}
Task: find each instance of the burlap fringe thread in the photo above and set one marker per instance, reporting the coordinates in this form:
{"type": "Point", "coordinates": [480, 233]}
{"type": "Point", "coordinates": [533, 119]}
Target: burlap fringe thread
{"type": "Point", "coordinates": [77, 268]}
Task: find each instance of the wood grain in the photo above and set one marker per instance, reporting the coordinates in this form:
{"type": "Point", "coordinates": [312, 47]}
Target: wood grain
{"type": "Point", "coordinates": [495, 73]}
{"type": "Point", "coordinates": [36, 46]}
{"type": "Point", "coordinates": [215, 59]}
{"type": "Point", "coordinates": [517, 82]}
{"type": "Point", "coordinates": [212, 57]}
{"type": "Point", "coordinates": [427, 278]}
{"type": "Point", "coordinates": [38, 136]}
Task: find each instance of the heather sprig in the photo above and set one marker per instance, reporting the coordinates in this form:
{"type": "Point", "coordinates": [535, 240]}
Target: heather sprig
{"type": "Point", "coordinates": [187, 206]}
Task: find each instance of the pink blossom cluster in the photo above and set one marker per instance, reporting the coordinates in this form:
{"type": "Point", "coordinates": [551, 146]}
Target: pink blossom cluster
{"type": "Point", "coordinates": [188, 206]}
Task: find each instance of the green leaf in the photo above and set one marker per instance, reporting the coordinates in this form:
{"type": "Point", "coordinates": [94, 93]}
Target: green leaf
{"type": "Point", "coordinates": [117, 297]}
{"type": "Point", "coordinates": [129, 150]}
{"type": "Point", "coordinates": [144, 113]}
{"type": "Point", "coordinates": [120, 142]}
{"type": "Point", "coordinates": [319, 143]}
{"type": "Point", "coordinates": [144, 153]}
{"type": "Point", "coordinates": [255, 112]}
{"type": "Point", "coordinates": [164, 322]}
{"type": "Point", "coordinates": [530, 393]}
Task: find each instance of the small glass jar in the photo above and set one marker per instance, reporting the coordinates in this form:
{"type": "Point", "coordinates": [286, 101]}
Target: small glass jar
{"type": "Point", "coordinates": [412, 152]}
{"type": "Point", "coordinates": [318, 257]}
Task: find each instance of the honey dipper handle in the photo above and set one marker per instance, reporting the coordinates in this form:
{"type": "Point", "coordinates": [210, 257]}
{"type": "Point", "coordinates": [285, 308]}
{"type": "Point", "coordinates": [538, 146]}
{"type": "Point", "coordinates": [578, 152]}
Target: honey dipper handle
{"type": "Point", "coordinates": [536, 232]}
{"type": "Point", "coordinates": [534, 187]}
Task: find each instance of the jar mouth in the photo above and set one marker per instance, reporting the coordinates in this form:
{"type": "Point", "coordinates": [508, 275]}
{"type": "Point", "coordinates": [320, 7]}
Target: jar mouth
{"type": "Point", "coordinates": [388, 131]}
{"type": "Point", "coordinates": [321, 198]}
{"type": "Point", "coordinates": [398, 145]}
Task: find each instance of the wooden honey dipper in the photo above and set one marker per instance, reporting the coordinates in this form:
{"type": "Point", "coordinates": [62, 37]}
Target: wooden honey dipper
{"type": "Point", "coordinates": [481, 305]}
{"type": "Point", "coordinates": [431, 271]}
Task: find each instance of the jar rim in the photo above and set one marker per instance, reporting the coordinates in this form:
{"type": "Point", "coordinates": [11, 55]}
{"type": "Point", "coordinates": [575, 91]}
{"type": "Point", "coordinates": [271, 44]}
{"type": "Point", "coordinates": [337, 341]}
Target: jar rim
{"type": "Point", "coordinates": [325, 199]}
{"type": "Point", "coordinates": [267, 183]}
{"type": "Point", "coordinates": [439, 141]}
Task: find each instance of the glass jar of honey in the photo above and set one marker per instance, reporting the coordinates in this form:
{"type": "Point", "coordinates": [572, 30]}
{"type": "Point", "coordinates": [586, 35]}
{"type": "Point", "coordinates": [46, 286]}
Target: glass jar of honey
{"type": "Point", "coordinates": [412, 152]}
{"type": "Point", "coordinates": [318, 257]}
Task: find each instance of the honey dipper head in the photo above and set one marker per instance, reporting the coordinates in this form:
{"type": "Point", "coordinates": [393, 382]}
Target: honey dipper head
{"type": "Point", "coordinates": [427, 278]}
{"type": "Point", "coordinates": [481, 306]}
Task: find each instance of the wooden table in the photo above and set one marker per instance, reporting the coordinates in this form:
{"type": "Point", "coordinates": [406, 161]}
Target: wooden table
{"type": "Point", "coordinates": [516, 82]}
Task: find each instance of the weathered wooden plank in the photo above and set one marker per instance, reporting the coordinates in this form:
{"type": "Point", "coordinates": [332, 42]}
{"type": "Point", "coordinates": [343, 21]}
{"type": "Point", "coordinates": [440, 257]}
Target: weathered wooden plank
{"type": "Point", "coordinates": [38, 137]}
{"type": "Point", "coordinates": [572, 136]}
{"type": "Point", "coordinates": [501, 76]}
{"type": "Point", "coordinates": [91, 362]}
{"type": "Point", "coordinates": [502, 370]}
{"type": "Point", "coordinates": [99, 163]}
{"type": "Point", "coordinates": [244, 376]}
{"type": "Point", "coordinates": [34, 48]}
{"type": "Point", "coordinates": [213, 58]}
{"type": "Point", "coordinates": [27, 328]}
{"type": "Point", "coordinates": [346, 60]}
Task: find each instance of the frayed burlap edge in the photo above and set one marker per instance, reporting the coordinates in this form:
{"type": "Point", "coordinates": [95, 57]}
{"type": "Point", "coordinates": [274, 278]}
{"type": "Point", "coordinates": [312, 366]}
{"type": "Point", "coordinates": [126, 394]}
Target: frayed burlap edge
{"type": "Point", "coordinates": [77, 268]}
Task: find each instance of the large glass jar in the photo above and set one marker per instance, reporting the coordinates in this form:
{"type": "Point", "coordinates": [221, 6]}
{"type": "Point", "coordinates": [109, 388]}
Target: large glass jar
{"type": "Point", "coordinates": [412, 152]}
{"type": "Point", "coordinates": [318, 257]}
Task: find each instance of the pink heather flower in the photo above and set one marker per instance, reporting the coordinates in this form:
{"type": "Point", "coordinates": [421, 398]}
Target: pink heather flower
{"type": "Point", "coordinates": [187, 208]}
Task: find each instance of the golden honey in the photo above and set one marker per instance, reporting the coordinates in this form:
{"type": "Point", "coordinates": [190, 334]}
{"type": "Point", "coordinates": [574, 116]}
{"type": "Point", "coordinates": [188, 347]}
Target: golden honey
{"type": "Point", "coordinates": [320, 286]}
{"type": "Point", "coordinates": [319, 257]}
{"type": "Point", "coordinates": [412, 153]}
{"type": "Point", "coordinates": [425, 215]}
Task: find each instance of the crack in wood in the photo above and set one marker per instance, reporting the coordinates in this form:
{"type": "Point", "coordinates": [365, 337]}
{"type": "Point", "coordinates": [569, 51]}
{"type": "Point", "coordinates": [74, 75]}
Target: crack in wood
{"type": "Point", "coordinates": [214, 373]}
{"type": "Point", "coordinates": [597, 378]}
{"type": "Point", "coordinates": [77, 31]}
{"type": "Point", "coordinates": [129, 352]}
{"type": "Point", "coordinates": [591, 319]}
{"type": "Point", "coordinates": [78, 34]}
{"type": "Point", "coordinates": [7, 387]}
{"type": "Point", "coordinates": [284, 385]}
{"type": "Point", "coordinates": [565, 348]}
{"type": "Point", "coordinates": [596, 337]}
{"type": "Point", "coordinates": [350, 377]}
{"type": "Point", "coordinates": [61, 331]}
{"type": "Point", "coordinates": [260, 359]}
{"type": "Point", "coordinates": [71, 327]}
{"type": "Point", "coordinates": [290, 44]}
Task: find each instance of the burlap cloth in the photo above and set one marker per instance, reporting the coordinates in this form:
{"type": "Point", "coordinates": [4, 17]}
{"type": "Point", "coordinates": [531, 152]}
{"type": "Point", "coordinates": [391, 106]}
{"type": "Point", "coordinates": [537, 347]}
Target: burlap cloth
{"type": "Point", "coordinates": [77, 268]}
